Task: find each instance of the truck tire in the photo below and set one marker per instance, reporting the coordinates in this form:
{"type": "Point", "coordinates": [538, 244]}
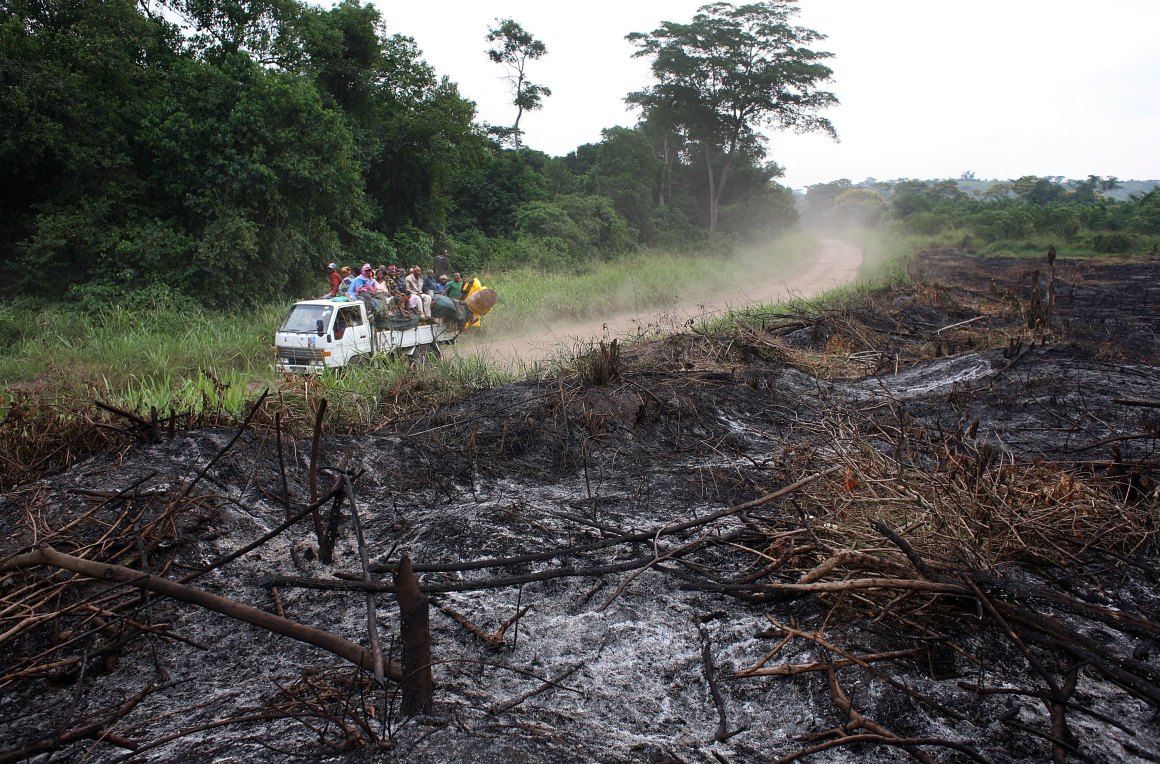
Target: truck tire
{"type": "Point", "coordinates": [425, 353]}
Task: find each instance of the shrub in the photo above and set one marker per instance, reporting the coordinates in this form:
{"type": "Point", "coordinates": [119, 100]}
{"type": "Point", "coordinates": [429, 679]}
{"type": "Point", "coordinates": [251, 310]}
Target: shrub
{"type": "Point", "coordinates": [926, 223]}
{"type": "Point", "coordinates": [1063, 220]}
{"type": "Point", "coordinates": [547, 219]}
{"type": "Point", "coordinates": [507, 253]}
{"type": "Point", "coordinates": [674, 231]}
{"type": "Point", "coordinates": [995, 225]}
{"type": "Point", "coordinates": [1146, 217]}
{"type": "Point", "coordinates": [469, 251]}
{"type": "Point", "coordinates": [1111, 243]}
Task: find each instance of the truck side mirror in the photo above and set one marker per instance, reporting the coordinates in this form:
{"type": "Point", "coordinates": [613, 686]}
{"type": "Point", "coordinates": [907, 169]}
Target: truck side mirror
{"type": "Point", "coordinates": [319, 328]}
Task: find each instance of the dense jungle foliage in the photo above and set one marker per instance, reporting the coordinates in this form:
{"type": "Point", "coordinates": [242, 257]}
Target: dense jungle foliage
{"type": "Point", "coordinates": [228, 149]}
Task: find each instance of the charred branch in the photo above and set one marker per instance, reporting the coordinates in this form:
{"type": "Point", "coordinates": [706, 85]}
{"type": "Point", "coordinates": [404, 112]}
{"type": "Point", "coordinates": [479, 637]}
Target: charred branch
{"type": "Point", "coordinates": [332, 643]}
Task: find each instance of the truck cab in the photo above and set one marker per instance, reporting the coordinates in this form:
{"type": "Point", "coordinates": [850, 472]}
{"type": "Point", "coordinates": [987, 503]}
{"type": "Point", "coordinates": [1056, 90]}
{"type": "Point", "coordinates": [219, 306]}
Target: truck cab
{"type": "Point", "coordinates": [317, 335]}
{"type": "Point", "coordinates": [321, 334]}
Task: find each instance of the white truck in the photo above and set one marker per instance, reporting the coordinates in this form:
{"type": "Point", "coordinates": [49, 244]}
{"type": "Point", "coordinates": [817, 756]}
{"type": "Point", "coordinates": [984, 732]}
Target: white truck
{"type": "Point", "coordinates": [317, 335]}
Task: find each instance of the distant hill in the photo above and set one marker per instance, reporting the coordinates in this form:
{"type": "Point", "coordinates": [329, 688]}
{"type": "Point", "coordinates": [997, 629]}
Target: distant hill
{"type": "Point", "coordinates": [1130, 187]}
{"type": "Point", "coordinates": [975, 186]}
{"type": "Point", "coordinates": [1126, 190]}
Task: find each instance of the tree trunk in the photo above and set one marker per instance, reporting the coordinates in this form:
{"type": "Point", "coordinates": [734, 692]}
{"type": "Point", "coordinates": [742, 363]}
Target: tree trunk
{"type": "Point", "coordinates": [519, 108]}
{"type": "Point", "coordinates": [713, 195]}
{"type": "Point", "coordinates": [717, 182]}
{"type": "Point", "coordinates": [666, 176]}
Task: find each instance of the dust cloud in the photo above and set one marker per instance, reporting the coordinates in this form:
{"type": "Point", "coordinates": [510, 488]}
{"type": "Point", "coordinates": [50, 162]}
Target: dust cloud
{"type": "Point", "coordinates": [836, 263]}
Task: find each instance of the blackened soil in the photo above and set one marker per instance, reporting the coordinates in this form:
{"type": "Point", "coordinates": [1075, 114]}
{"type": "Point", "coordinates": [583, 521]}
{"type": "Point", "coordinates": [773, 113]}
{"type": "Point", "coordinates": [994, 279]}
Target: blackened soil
{"type": "Point", "coordinates": [614, 664]}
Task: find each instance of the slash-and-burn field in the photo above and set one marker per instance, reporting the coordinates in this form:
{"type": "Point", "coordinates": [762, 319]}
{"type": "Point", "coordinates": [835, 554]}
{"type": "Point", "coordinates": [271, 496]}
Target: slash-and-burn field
{"type": "Point", "coordinates": [920, 525]}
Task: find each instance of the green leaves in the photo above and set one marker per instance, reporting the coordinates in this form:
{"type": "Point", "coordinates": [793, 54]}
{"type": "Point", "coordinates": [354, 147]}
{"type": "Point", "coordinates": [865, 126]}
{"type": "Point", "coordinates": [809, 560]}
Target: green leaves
{"type": "Point", "coordinates": [516, 48]}
{"type": "Point", "coordinates": [73, 80]}
{"type": "Point", "coordinates": [248, 150]}
{"type": "Point", "coordinates": [732, 70]}
{"type": "Point", "coordinates": [249, 161]}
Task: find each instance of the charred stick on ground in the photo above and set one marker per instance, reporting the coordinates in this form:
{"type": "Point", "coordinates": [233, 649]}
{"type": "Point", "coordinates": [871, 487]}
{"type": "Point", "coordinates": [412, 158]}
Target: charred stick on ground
{"type": "Point", "coordinates": [418, 685]}
{"type": "Point", "coordinates": [339, 646]}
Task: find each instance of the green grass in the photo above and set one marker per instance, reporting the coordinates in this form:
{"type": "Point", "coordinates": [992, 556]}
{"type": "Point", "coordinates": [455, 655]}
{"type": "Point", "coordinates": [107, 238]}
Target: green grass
{"type": "Point", "coordinates": [166, 356]}
{"type": "Point", "coordinates": [644, 280]}
{"type": "Point", "coordinates": [126, 345]}
{"type": "Point", "coordinates": [1033, 246]}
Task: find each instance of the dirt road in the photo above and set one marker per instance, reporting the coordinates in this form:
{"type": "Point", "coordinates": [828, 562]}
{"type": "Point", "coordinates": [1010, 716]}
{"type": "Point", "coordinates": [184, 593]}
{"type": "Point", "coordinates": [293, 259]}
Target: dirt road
{"type": "Point", "coordinates": [837, 263]}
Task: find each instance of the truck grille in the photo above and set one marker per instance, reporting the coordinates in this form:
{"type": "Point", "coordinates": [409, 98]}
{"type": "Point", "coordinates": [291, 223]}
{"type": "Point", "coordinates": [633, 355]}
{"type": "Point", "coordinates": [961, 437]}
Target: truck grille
{"type": "Point", "coordinates": [299, 356]}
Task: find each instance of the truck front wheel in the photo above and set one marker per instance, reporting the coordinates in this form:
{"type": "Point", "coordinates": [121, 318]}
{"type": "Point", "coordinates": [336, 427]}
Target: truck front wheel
{"type": "Point", "coordinates": [424, 353]}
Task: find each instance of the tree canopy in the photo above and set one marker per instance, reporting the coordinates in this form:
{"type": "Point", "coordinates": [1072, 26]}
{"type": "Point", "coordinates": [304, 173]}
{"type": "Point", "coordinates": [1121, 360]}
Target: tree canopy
{"type": "Point", "coordinates": [729, 72]}
{"type": "Point", "coordinates": [227, 149]}
{"type": "Point", "coordinates": [516, 48]}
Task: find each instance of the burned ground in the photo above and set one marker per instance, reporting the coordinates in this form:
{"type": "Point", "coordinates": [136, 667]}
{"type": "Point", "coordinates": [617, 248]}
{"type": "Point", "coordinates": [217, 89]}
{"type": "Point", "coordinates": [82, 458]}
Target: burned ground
{"type": "Point", "coordinates": [918, 524]}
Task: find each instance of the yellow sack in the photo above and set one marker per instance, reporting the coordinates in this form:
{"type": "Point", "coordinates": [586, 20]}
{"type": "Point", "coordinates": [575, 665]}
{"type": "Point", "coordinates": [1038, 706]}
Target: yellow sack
{"type": "Point", "coordinates": [481, 300]}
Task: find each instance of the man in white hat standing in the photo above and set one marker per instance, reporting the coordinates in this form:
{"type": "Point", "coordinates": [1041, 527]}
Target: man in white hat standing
{"type": "Point", "coordinates": [335, 280]}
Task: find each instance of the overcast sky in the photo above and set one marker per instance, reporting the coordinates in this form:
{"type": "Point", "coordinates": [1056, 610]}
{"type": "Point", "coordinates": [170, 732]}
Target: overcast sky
{"type": "Point", "coordinates": [928, 89]}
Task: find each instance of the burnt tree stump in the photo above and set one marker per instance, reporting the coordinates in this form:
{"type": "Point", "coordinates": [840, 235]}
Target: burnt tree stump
{"type": "Point", "coordinates": [418, 688]}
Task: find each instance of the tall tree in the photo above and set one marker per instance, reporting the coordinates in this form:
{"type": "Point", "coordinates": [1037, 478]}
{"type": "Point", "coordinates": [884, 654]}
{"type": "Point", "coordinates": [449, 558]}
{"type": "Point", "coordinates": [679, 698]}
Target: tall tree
{"type": "Point", "coordinates": [254, 174]}
{"type": "Point", "coordinates": [263, 29]}
{"type": "Point", "coordinates": [515, 49]}
{"type": "Point", "coordinates": [1032, 189]}
{"type": "Point", "coordinates": [729, 72]}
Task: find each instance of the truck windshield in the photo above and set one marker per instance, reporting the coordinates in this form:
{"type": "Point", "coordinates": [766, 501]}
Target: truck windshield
{"type": "Point", "coordinates": [304, 319]}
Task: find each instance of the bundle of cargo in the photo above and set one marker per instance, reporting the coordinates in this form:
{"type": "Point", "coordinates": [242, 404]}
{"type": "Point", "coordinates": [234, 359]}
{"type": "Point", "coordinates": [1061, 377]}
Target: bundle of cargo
{"type": "Point", "coordinates": [449, 310]}
{"type": "Point", "coordinates": [481, 301]}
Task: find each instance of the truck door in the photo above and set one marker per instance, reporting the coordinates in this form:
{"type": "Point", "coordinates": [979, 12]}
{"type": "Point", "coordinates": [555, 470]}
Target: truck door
{"type": "Point", "coordinates": [351, 334]}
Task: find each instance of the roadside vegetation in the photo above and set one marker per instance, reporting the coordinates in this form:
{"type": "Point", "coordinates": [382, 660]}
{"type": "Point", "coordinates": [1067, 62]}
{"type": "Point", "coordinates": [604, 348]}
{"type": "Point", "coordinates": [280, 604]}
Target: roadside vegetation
{"type": "Point", "coordinates": [169, 358]}
{"type": "Point", "coordinates": [179, 172]}
{"type": "Point", "coordinates": [1013, 218]}
{"type": "Point", "coordinates": [160, 340]}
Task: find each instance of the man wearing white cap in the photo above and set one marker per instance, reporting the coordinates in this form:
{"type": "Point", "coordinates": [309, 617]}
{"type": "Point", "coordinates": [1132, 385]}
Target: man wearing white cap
{"type": "Point", "coordinates": [335, 280]}
{"type": "Point", "coordinates": [415, 286]}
